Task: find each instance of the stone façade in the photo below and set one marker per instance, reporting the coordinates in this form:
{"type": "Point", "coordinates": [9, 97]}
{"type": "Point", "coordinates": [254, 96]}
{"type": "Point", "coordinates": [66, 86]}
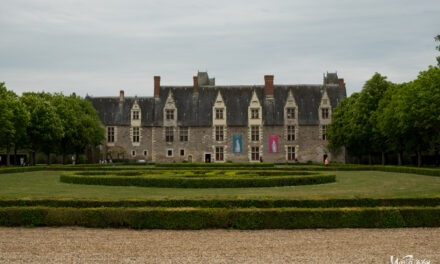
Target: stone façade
{"type": "Point", "coordinates": [194, 111]}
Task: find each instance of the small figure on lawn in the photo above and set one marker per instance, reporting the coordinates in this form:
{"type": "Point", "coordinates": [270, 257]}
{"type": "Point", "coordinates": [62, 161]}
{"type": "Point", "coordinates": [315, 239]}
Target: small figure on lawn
{"type": "Point", "coordinates": [261, 159]}
{"type": "Point", "coordinates": [326, 161]}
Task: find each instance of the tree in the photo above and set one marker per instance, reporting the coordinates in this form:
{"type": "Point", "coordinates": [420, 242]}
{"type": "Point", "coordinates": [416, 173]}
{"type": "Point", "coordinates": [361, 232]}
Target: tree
{"type": "Point", "coordinates": [437, 38]}
{"type": "Point", "coordinates": [340, 132]}
{"type": "Point", "coordinates": [14, 120]}
{"type": "Point", "coordinates": [45, 128]}
{"type": "Point", "coordinates": [80, 123]}
{"type": "Point", "coordinates": [354, 123]}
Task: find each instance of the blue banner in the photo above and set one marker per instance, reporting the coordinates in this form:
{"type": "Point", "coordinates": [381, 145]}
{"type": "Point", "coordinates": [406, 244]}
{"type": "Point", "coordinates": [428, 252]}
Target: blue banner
{"type": "Point", "coordinates": [236, 145]}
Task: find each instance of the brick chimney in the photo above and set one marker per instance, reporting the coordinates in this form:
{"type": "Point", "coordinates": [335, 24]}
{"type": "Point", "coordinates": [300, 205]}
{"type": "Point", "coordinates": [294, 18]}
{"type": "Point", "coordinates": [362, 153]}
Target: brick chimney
{"type": "Point", "coordinates": [268, 85]}
{"type": "Point", "coordinates": [341, 83]}
{"type": "Point", "coordinates": [121, 95]}
{"type": "Point", "coordinates": [195, 85]}
{"type": "Point", "coordinates": [156, 86]}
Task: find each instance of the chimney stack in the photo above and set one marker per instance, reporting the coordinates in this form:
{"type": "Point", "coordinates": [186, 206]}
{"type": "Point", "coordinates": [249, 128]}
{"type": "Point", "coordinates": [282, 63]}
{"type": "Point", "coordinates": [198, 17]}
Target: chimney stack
{"type": "Point", "coordinates": [268, 85]}
{"type": "Point", "coordinates": [156, 86]}
{"type": "Point", "coordinates": [121, 95]}
{"type": "Point", "coordinates": [341, 83]}
{"type": "Point", "coordinates": [195, 85]}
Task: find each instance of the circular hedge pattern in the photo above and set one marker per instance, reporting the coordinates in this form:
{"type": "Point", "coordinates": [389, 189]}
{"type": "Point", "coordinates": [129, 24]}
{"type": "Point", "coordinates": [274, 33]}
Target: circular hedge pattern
{"type": "Point", "coordinates": [198, 178]}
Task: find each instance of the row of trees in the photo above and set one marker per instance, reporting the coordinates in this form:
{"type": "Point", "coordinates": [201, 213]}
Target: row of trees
{"type": "Point", "coordinates": [386, 117]}
{"type": "Point", "coordinates": [47, 123]}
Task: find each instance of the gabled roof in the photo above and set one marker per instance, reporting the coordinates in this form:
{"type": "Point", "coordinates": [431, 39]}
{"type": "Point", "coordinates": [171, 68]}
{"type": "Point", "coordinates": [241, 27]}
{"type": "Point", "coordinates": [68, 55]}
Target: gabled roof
{"type": "Point", "coordinates": [197, 110]}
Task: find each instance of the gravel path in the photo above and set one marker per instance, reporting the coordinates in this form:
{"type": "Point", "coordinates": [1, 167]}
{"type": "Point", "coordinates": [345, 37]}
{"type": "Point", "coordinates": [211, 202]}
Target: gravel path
{"type": "Point", "coordinates": [82, 245]}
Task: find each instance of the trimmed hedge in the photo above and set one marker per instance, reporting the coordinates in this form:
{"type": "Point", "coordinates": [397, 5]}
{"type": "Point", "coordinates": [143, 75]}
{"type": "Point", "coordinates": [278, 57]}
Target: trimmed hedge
{"type": "Point", "coordinates": [228, 203]}
{"type": "Point", "coordinates": [198, 218]}
{"type": "Point", "coordinates": [206, 182]}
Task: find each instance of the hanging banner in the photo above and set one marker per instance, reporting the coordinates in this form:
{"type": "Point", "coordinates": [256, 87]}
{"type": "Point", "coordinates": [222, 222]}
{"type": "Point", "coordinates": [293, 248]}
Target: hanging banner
{"type": "Point", "coordinates": [273, 143]}
{"type": "Point", "coordinates": [236, 145]}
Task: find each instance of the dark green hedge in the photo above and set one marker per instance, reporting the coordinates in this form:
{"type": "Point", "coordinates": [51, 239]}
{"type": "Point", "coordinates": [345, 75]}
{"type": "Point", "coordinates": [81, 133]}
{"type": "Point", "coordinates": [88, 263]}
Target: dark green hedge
{"type": "Point", "coordinates": [180, 182]}
{"type": "Point", "coordinates": [192, 218]}
{"type": "Point", "coordinates": [215, 165]}
{"type": "Point", "coordinates": [229, 203]}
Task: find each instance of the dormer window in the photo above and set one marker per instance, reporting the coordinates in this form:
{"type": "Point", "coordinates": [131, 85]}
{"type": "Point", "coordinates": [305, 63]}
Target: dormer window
{"type": "Point", "coordinates": [135, 115]}
{"type": "Point", "coordinates": [324, 113]}
{"type": "Point", "coordinates": [170, 114]}
{"type": "Point", "coordinates": [290, 113]}
{"type": "Point", "coordinates": [324, 101]}
{"type": "Point", "coordinates": [255, 113]}
{"type": "Point", "coordinates": [219, 113]}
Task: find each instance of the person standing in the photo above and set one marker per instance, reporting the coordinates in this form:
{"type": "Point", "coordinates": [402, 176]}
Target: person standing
{"type": "Point", "coordinates": [326, 161]}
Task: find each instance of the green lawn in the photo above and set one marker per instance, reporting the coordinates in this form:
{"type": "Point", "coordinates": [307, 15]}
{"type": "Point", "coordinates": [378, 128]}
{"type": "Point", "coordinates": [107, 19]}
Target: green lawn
{"type": "Point", "coordinates": [46, 184]}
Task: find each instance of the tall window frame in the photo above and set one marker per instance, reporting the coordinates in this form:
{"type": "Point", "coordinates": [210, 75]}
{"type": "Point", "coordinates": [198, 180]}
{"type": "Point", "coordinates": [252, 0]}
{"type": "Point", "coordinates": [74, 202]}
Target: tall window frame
{"type": "Point", "coordinates": [136, 135]}
{"type": "Point", "coordinates": [291, 153]}
{"type": "Point", "coordinates": [291, 133]}
{"type": "Point", "coordinates": [183, 134]}
{"type": "Point", "coordinates": [219, 133]}
{"type": "Point", "coordinates": [324, 132]}
{"type": "Point", "coordinates": [255, 133]}
{"type": "Point", "coordinates": [110, 134]}
{"type": "Point", "coordinates": [219, 153]}
{"type": "Point", "coordinates": [324, 113]}
{"type": "Point", "coordinates": [255, 153]}
{"type": "Point", "coordinates": [169, 134]}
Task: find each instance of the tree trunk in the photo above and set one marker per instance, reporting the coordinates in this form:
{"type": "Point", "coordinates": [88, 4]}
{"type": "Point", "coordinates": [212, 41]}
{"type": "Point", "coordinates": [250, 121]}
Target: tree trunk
{"type": "Point", "coordinates": [399, 158]}
{"type": "Point", "coordinates": [31, 158]}
{"type": "Point", "coordinates": [436, 158]}
{"type": "Point", "coordinates": [48, 158]}
{"type": "Point", "coordinates": [383, 158]}
{"type": "Point", "coordinates": [8, 156]}
{"type": "Point", "coordinates": [15, 159]}
{"type": "Point", "coordinates": [419, 158]}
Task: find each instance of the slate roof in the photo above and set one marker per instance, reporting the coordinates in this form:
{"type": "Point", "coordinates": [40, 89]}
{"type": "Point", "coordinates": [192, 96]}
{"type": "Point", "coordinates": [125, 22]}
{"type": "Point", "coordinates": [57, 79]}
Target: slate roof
{"type": "Point", "coordinates": [197, 110]}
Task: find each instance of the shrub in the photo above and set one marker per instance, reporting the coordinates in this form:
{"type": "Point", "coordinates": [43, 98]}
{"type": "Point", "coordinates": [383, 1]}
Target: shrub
{"type": "Point", "coordinates": [198, 218]}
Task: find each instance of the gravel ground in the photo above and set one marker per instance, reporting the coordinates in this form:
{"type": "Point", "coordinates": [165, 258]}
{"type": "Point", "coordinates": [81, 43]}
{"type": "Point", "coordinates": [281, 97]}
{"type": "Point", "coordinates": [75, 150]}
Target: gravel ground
{"type": "Point", "coordinates": [83, 245]}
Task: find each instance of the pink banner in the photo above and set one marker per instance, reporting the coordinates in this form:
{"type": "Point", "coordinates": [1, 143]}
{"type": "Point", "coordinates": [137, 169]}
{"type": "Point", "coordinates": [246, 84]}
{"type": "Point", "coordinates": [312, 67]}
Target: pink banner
{"type": "Point", "coordinates": [273, 143]}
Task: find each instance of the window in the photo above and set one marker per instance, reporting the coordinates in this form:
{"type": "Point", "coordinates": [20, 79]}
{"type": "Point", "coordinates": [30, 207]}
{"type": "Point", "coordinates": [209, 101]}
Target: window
{"type": "Point", "coordinates": [324, 101]}
{"type": "Point", "coordinates": [135, 115]}
{"type": "Point", "coordinates": [183, 133]}
{"type": "Point", "coordinates": [170, 114]}
{"type": "Point", "coordinates": [255, 113]}
{"type": "Point", "coordinates": [133, 153]}
{"type": "Point", "coordinates": [290, 133]}
{"type": "Point", "coordinates": [145, 153]}
{"type": "Point", "coordinates": [219, 153]}
{"type": "Point", "coordinates": [110, 134]}
{"type": "Point", "coordinates": [169, 134]}
{"type": "Point", "coordinates": [324, 132]}
{"type": "Point", "coordinates": [290, 113]}
{"type": "Point", "coordinates": [169, 153]}
{"type": "Point", "coordinates": [255, 133]}
{"type": "Point", "coordinates": [182, 152]}
{"type": "Point", "coordinates": [290, 153]}
{"type": "Point", "coordinates": [135, 134]}
{"type": "Point", "coordinates": [324, 113]}
{"type": "Point", "coordinates": [219, 133]}
{"type": "Point", "coordinates": [255, 153]}
{"type": "Point", "coordinates": [219, 113]}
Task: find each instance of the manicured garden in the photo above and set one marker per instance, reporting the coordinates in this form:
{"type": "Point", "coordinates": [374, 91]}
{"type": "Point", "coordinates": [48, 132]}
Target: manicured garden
{"type": "Point", "coordinates": [194, 196]}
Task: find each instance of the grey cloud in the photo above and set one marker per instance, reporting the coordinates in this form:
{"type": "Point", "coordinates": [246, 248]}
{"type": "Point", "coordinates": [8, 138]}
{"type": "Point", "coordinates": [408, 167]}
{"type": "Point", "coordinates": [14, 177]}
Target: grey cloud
{"type": "Point", "coordinates": [99, 47]}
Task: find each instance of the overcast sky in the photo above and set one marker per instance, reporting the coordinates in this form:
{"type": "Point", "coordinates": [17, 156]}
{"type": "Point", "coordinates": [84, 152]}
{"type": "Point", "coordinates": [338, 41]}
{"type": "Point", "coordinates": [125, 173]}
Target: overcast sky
{"type": "Point", "coordinates": [100, 47]}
